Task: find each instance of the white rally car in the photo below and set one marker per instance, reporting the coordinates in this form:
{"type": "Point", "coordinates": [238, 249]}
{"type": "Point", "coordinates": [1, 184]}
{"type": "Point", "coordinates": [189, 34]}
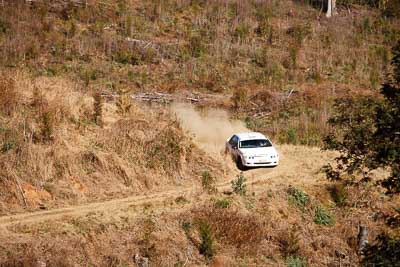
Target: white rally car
{"type": "Point", "coordinates": [252, 150]}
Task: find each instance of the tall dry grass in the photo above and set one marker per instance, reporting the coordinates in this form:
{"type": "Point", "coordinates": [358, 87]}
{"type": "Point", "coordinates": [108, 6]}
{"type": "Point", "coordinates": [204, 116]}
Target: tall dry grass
{"type": "Point", "coordinates": [53, 152]}
{"type": "Point", "coordinates": [224, 47]}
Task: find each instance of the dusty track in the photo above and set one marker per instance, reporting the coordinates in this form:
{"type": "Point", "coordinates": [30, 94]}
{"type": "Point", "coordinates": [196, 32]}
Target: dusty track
{"type": "Point", "coordinates": [293, 159]}
{"type": "Point", "coordinates": [299, 165]}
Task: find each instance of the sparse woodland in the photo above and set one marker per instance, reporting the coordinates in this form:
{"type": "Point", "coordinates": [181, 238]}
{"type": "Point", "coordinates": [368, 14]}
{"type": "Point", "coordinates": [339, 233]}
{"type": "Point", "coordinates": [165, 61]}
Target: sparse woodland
{"type": "Point", "coordinates": [70, 133]}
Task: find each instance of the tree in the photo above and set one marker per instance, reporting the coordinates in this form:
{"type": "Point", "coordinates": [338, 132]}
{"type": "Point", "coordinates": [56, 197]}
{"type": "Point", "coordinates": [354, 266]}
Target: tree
{"type": "Point", "coordinates": [331, 8]}
{"type": "Point", "coordinates": [368, 139]}
{"type": "Point", "coordinates": [368, 132]}
{"type": "Point", "coordinates": [387, 134]}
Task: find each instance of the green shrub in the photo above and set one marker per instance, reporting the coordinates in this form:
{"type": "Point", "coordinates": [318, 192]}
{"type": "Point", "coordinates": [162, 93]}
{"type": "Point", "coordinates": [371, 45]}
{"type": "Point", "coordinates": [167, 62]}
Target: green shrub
{"type": "Point", "coordinates": [298, 198]}
{"type": "Point", "coordinates": [181, 200]}
{"type": "Point", "coordinates": [322, 217]}
{"type": "Point", "coordinates": [289, 242]}
{"type": "Point", "coordinates": [241, 31]}
{"type": "Point", "coordinates": [7, 146]}
{"type": "Point", "coordinates": [186, 226]}
{"type": "Point", "coordinates": [295, 261]}
{"type": "Point", "coordinates": [385, 252]}
{"type": "Point", "coordinates": [222, 203]}
{"type": "Point", "coordinates": [206, 247]}
{"type": "Point", "coordinates": [196, 46]}
{"type": "Point", "coordinates": [165, 150]}
{"type": "Point", "coordinates": [291, 136]}
{"type": "Point", "coordinates": [239, 185]}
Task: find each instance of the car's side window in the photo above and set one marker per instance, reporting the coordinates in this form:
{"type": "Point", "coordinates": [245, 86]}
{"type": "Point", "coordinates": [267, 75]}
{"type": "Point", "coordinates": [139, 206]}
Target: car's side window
{"type": "Point", "coordinates": [233, 141]}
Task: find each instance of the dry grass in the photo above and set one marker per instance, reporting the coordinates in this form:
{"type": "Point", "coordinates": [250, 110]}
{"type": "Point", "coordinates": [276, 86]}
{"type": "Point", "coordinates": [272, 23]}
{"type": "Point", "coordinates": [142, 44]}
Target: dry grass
{"type": "Point", "coordinates": [51, 142]}
{"type": "Point", "coordinates": [9, 96]}
{"type": "Point", "coordinates": [59, 145]}
{"type": "Point", "coordinates": [267, 232]}
{"type": "Point", "coordinates": [232, 227]}
{"type": "Point", "coordinates": [240, 48]}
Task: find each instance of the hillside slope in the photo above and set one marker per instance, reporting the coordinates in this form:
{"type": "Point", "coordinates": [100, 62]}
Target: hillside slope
{"type": "Point", "coordinates": [256, 51]}
{"type": "Point", "coordinates": [91, 176]}
{"type": "Point", "coordinates": [54, 152]}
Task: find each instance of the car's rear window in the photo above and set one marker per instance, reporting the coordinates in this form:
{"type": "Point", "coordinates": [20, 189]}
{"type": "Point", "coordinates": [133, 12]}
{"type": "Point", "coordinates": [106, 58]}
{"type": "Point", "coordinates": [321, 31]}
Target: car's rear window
{"type": "Point", "coordinates": [255, 143]}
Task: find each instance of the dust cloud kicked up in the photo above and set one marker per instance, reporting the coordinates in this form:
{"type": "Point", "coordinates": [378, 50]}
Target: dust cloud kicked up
{"type": "Point", "coordinates": [210, 127]}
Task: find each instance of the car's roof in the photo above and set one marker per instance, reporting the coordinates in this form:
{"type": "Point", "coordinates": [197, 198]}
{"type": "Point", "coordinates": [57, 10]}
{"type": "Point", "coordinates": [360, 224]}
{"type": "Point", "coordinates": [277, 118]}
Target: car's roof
{"type": "Point", "coordinates": [250, 136]}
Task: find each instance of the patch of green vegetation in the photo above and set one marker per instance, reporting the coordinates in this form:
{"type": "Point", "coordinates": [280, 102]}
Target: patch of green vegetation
{"type": "Point", "coordinates": [208, 181]}
{"type": "Point", "coordinates": [298, 198]}
{"type": "Point", "coordinates": [206, 247]}
{"type": "Point", "coordinates": [239, 185]}
{"type": "Point", "coordinates": [295, 261]}
{"type": "Point", "coordinates": [323, 217]}
{"type": "Point", "coordinates": [186, 226]}
{"type": "Point", "coordinates": [7, 146]}
{"type": "Point", "coordinates": [181, 200]}
{"type": "Point", "coordinates": [222, 203]}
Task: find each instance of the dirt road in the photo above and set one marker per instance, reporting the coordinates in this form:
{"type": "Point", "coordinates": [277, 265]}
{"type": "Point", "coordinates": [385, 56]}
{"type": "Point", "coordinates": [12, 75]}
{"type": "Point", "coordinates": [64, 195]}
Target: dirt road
{"type": "Point", "coordinates": [299, 166]}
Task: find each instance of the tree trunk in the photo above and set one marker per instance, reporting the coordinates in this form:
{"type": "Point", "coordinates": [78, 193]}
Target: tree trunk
{"type": "Point", "coordinates": [331, 8]}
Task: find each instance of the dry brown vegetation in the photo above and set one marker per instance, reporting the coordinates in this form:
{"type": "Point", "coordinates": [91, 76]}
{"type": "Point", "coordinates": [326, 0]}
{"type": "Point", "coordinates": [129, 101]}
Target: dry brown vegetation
{"type": "Point", "coordinates": [246, 49]}
{"type": "Point", "coordinates": [65, 140]}
{"type": "Point", "coordinates": [53, 152]}
{"type": "Point", "coordinates": [262, 229]}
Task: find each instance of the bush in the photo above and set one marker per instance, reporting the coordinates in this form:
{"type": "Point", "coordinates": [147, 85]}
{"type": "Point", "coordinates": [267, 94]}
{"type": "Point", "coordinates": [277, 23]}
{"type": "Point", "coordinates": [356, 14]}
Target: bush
{"type": "Point", "coordinates": [241, 31]}
{"type": "Point", "coordinates": [239, 185]}
{"type": "Point", "coordinates": [291, 136]}
{"type": "Point", "coordinates": [186, 226]}
{"type": "Point", "coordinates": [9, 139]}
{"type": "Point", "coordinates": [386, 252]}
{"type": "Point", "coordinates": [298, 198]}
{"type": "Point", "coordinates": [231, 227]}
{"type": "Point", "coordinates": [222, 203]}
{"type": "Point", "coordinates": [322, 217]}
{"type": "Point", "coordinates": [289, 242]}
{"type": "Point", "coordinates": [206, 247]}
{"type": "Point", "coordinates": [7, 146]}
{"type": "Point", "coordinates": [366, 132]}
{"type": "Point", "coordinates": [294, 261]}
{"type": "Point", "coordinates": [166, 149]}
